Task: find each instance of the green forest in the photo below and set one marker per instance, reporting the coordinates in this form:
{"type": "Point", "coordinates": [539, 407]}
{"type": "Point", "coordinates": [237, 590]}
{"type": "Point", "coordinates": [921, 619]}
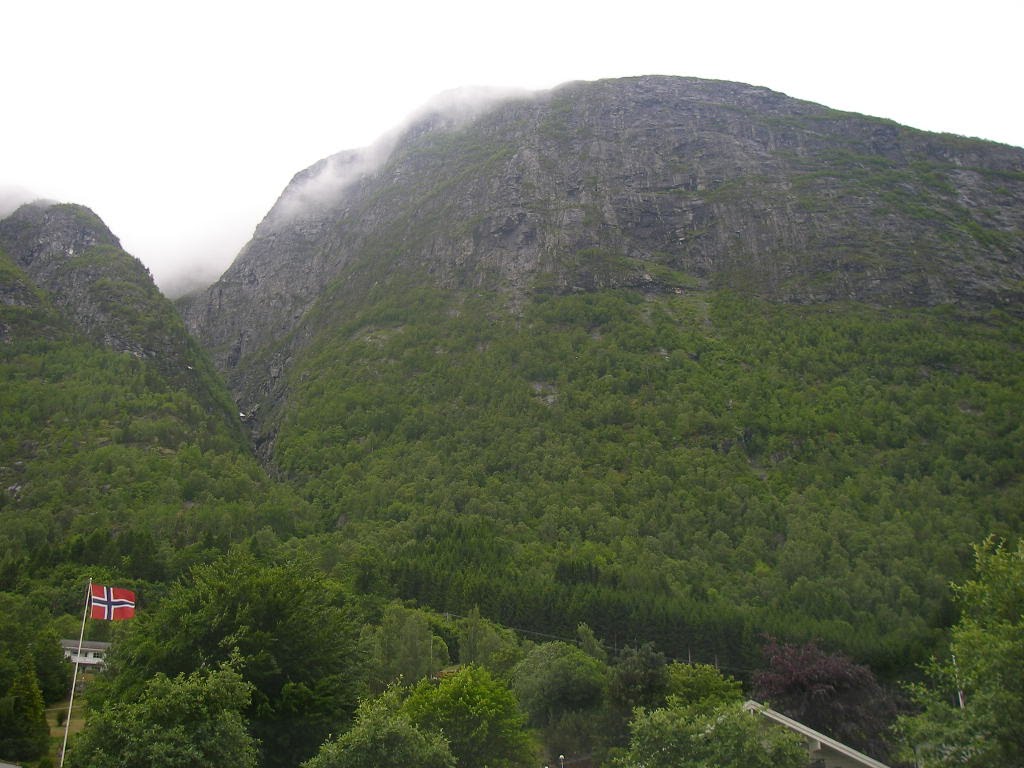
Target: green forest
{"type": "Point", "coordinates": [497, 535]}
{"type": "Point", "coordinates": [688, 470]}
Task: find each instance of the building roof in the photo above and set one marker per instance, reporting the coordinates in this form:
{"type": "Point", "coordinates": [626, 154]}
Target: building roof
{"type": "Point", "coordinates": [810, 733]}
{"type": "Point", "coordinates": [87, 645]}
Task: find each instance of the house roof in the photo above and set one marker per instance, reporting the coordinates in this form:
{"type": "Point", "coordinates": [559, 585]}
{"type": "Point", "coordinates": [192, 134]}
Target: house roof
{"type": "Point", "coordinates": [87, 645]}
{"type": "Point", "coordinates": [810, 733]}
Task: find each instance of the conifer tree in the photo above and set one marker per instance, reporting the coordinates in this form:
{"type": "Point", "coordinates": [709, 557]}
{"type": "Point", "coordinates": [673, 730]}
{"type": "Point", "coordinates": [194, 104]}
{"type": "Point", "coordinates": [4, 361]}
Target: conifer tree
{"type": "Point", "coordinates": [24, 733]}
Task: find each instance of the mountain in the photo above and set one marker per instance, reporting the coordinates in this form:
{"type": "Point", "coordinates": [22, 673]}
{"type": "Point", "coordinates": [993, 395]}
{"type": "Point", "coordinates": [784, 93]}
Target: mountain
{"type": "Point", "coordinates": [69, 254]}
{"type": "Point", "coordinates": [120, 445]}
{"type": "Point", "coordinates": [653, 183]}
{"type": "Point", "coordinates": [689, 361]}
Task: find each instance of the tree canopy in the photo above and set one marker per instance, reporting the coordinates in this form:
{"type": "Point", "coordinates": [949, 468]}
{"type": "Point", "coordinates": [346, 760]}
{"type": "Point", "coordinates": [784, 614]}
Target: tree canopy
{"type": "Point", "coordinates": [724, 737]}
{"type": "Point", "coordinates": [180, 722]}
{"type": "Point", "coordinates": [477, 714]}
{"type": "Point", "coordinates": [828, 692]}
{"type": "Point", "coordinates": [284, 627]}
{"type": "Point", "coordinates": [24, 733]}
{"type": "Point", "coordinates": [702, 685]}
{"type": "Point", "coordinates": [556, 678]}
{"type": "Point", "coordinates": [383, 735]}
{"type": "Point", "coordinates": [983, 671]}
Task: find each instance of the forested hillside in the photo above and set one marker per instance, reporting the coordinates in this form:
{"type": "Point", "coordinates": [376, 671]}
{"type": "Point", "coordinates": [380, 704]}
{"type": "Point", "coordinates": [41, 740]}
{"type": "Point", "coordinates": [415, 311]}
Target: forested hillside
{"type": "Point", "coordinates": [121, 456]}
{"type": "Point", "coordinates": [694, 470]}
{"type": "Point", "coordinates": [559, 425]}
{"type": "Point", "coordinates": [120, 445]}
{"type": "Point", "coordinates": [691, 361]}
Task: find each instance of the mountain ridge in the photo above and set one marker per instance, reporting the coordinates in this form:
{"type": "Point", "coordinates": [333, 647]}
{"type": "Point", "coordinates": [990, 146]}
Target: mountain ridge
{"type": "Point", "coordinates": [657, 352]}
{"type": "Point", "coordinates": [653, 183]}
{"type": "Point", "coordinates": [65, 270]}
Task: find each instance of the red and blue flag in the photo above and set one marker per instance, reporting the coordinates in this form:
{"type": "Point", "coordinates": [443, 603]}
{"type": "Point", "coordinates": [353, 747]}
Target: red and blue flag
{"type": "Point", "coordinates": [111, 603]}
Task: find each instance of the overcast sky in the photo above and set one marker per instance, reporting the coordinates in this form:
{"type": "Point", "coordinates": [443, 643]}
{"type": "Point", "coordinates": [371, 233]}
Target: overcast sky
{"type": "Point", "coordinates": [180, 123]}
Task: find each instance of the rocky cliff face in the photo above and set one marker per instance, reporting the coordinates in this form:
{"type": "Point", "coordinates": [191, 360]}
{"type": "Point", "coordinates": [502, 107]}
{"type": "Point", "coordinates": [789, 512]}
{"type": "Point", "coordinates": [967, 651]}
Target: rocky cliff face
{"type": "Point", "coordinates": [666, 184]}
{"type": "Point", "coordinates": [64, 258]}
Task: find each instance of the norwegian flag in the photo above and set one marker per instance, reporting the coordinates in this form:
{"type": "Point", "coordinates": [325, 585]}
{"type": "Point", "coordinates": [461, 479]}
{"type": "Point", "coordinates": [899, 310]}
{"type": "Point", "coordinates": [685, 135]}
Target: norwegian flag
{"type": "Point", "coordinates": [111, 603]}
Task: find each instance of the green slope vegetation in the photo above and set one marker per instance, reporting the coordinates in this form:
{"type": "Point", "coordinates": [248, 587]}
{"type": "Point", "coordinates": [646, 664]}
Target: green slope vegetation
{"type": "Point", "coordinates": [110, 459]}
{"type": "Point", "coordinates": [697, 470]}
{"type": "Point", "coordinates": [689, 469]}
{"type": "Point", "coordinates": [121, 460]}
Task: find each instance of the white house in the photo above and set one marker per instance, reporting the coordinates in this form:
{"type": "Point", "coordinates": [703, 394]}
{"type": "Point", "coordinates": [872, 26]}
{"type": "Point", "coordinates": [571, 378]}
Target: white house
{"type": "Point", "coordinates": [92, 654]}
{"type": "Point", "coordinates": [823, 752]}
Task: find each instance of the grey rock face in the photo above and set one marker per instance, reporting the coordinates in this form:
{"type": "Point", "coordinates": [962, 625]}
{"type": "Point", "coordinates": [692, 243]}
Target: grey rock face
{"type": "Point", "coordinates": [43, 234]}
{"type": "Point", "coordinates": [654, 182]}
{"type": "Point", "coordinates": [71, 261]}
{"type": "Point", "coordinates": [43, 239]}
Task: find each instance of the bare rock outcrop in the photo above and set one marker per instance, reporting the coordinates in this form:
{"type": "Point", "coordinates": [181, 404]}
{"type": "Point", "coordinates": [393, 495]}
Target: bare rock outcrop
{"type": "Point", "coordinates": [660, 183]}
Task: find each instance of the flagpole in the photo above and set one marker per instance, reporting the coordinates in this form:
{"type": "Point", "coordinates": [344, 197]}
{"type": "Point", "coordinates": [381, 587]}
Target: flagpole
{"type": "Point", "coordinates": [74, 678]}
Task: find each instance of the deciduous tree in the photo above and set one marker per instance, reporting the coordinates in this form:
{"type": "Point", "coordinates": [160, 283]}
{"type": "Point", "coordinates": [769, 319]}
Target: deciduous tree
{"type": "Point", "coordinates": [639, 677]}
{"type": "Point", "coordinates": [477, 714]}
{"type": "Point", "coordinates": [484, 643]}
{"type": "Point", "coordinates": [828, 692]}
{"type": "Point", "coordinates": [556, 678]}
{"type": "Point", "coordinates": [384, 736]}
{"type": "Point", "coordinates": [179, 722]}
{"type": "Point", "coordinates": [724, 737]}
{"type": "Point", "coordinates": [703, 685]}
{"type": "Point", "coordinates": [284, 624]}
{"type": "Point", "coordinates": [985, 667]}
{"type": "Point", "coordinates": [563, 690]}
{"type": "Point", "coordinates": [404, 646]}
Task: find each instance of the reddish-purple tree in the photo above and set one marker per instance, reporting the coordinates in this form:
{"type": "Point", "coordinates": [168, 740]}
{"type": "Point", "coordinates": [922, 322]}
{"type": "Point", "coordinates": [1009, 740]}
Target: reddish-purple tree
{"type": "Point", "coordinates": [828, 692]}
